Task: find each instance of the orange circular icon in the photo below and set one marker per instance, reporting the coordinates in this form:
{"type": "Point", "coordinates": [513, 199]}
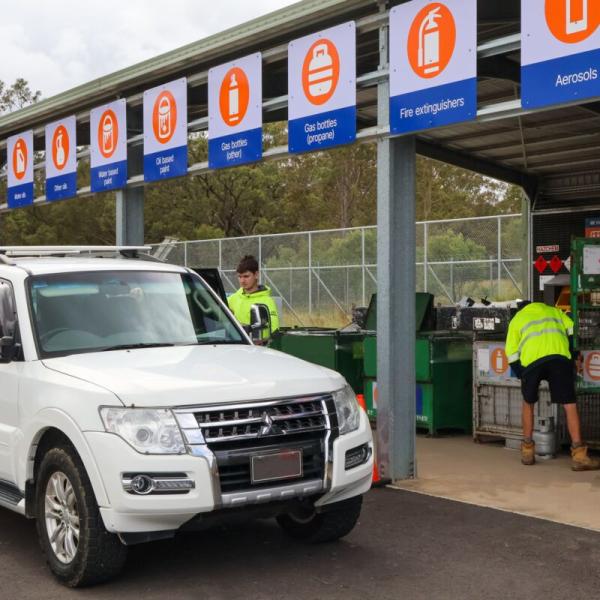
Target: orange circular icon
{"type": "Point", "coordinates": [234, 96]}
{"type": "Point", "coordinates": [431, 40]}
{"type": "Point", "coordinates": [592, 366]}
{"type": "Point", "coordinates": [164, 117]}
{"type": "Point", "coordinates": [499, 361]}
{"type": "Point", "coordinates": [108, 133]}
{"type": "Point", "coordinates": [321, 72]}
{"type": "Point", "coordinates": [572, 21]}
{"type": "Point", "coordinates": [60, 147]}
{"type": "Point", "coordinates": [19, 158]}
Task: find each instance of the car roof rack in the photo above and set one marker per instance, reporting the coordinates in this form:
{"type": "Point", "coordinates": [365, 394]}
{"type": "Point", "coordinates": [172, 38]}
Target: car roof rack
{"type": "Point", "coordinates": [139, 252]}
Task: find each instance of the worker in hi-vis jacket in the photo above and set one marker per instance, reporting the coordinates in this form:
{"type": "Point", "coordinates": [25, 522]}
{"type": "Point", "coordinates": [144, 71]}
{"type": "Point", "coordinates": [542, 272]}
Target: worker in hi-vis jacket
{"type": "Point", "coordinates": [539, 346]}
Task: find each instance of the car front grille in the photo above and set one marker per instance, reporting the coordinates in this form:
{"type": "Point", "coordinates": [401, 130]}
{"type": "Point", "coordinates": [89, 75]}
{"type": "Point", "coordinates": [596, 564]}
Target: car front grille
{"type": "Point", "coordinates": [236, 432]}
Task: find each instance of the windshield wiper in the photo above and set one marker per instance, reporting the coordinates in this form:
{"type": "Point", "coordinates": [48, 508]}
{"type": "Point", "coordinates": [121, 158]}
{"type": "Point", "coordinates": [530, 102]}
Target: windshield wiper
{"type": "Point", "coordinates": [140, 345]}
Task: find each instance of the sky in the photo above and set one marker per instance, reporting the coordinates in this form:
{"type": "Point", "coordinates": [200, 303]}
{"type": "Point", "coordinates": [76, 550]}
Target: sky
{"type": "Point", "coordinates": [61, 44]}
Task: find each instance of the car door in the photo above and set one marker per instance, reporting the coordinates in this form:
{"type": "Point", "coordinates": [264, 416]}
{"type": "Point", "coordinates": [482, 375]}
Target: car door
{"type": "Point", "coordinates": [9, 384]}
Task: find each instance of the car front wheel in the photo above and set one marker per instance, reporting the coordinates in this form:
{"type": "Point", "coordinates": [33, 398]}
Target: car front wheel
{"type": "Point", "coordinates": [78, 549]}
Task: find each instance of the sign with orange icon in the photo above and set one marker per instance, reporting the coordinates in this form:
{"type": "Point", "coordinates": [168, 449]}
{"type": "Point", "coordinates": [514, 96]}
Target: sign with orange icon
{"type": "Point", "coordinates": [61, 159]}
{"type": "Point", "coordinates": [108, 146]}
{"type": "Point", "coordinates": [19, 155]}
{"type": "Point", "coordinates": [591, 367]}
{"type": "Point", "coordinates": [165, 131]}
{"type": "Point", "coordinates": [560, 51]}
{"type": "Point", "coordinates": [433, 64]}
{"type": "Point", "coordinates": [235, 112]}
{"type": "Point", "coordinates": [322, 89]}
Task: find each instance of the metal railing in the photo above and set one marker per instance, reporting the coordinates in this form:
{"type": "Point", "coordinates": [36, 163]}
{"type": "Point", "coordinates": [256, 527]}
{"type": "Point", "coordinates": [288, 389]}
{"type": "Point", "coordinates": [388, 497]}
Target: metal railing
{"type": "Point", "coordinates": [321, 275]}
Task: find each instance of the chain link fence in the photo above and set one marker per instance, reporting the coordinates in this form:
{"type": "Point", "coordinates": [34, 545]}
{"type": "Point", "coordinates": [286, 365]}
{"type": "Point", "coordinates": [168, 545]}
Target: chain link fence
{"type": "Point", "coordinates": [321, 275]}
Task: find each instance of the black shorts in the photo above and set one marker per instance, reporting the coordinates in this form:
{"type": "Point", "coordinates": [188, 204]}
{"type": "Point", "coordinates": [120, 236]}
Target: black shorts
{"type": "Point", "coordinates": [559, 374]}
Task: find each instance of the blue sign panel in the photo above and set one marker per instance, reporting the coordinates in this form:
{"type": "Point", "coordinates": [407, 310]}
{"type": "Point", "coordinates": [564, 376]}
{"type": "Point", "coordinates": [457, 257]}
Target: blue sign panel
{"type": "Point", "coordinates": [108, 147]}
{"type": "Point", "coordinates": [560, 51]}
{"type": "Point", "coordinates": [165, 131]}
{"type": "Point", "coordinates": [322, 89]}
{"type": "Point", "coordinates": [235, 113]}
{"type": "Point", "coordinates": [19, 158]}
{"type": "Point", "coordinates": [433, 64]}
{"type": "Point", "coordinates": [61, 159]}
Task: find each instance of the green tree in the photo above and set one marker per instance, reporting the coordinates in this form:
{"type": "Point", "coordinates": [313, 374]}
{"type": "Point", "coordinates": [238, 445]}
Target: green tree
{"type": "Point", "coordinates": [17, 96]}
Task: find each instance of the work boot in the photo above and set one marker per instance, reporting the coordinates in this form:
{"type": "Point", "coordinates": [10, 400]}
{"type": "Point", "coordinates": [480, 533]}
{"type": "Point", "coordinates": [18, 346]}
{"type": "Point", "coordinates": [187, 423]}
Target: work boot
{"type": "Point", "coordinates": [528, 453]}
{"type": "Point", "coordinates": [580, 461]}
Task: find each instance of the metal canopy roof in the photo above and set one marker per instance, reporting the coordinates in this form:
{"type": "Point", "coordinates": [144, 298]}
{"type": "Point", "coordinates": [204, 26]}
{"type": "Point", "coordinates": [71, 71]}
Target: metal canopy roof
{"type": "Point", "coordinates": [554, 154]}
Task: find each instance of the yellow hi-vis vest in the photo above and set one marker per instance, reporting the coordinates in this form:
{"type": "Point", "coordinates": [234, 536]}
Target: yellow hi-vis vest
{"type": "Point", "coordinates": [536, 331]}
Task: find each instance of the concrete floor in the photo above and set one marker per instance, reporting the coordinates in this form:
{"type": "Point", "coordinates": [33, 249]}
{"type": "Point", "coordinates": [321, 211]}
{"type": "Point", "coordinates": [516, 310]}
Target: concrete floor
{"type": "Point", "coordinates": [490, 475]}
{"type": "Point", "coordinates": [406, 545]}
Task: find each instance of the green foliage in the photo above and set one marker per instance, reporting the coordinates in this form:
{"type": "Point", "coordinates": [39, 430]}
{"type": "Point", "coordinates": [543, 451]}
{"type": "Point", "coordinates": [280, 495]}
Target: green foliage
{"type": "Point", "coordinates": [17, 96]}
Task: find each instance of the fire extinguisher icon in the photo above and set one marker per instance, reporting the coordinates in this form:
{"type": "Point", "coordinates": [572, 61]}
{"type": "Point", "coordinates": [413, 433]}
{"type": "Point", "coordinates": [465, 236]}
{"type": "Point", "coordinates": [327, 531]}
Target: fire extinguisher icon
{"type": "Point", "coordinates": [429, 42]}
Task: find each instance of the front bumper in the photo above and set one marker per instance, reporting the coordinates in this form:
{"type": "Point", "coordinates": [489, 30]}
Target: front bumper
{"type": "Point", "coordinates": [129, 513]}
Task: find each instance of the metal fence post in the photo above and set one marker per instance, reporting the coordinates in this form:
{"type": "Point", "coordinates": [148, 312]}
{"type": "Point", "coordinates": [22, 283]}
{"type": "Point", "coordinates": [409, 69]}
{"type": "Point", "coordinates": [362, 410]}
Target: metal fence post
{"type": "Point", "coordinates": [185, 254]}
{"type": "Point", "coordinates": [452, 279]}
{"type": "Point", "coordinates": [363, 261]}
{"type": "Point", "coordinates": [260, 262]}
{"type": "Point", "coordinates": [499, 257]}
{"type": "Point", "coordinates": [310, 273]}
{"type": "Point", "coordinates": [425, 256]}
{"type": "Point", "coordinates": [220, 255]}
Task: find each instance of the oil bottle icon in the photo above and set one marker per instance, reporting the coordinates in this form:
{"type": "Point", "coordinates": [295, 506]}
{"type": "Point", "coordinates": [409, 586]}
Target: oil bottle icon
{"type": "Point", "coordinates": [61, 157]}
{"type": "Point", "coordinates": [164, 118]}
{"type": "Point", "coordinates": [320, 71]}
{"type": "Point", "coordinates": [577, 16]}
{"type": "Point", "coordinates": [429, 42]}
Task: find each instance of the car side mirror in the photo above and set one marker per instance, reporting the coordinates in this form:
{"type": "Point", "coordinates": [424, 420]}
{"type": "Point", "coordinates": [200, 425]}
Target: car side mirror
{"type": "Point", "coordinates": [8, 348]}
{"type": "Point", "coordinates": [260, 321]}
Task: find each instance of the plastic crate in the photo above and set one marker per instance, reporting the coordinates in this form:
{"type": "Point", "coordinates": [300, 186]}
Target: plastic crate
{"type": "Point", "coordinates": [498, 410]}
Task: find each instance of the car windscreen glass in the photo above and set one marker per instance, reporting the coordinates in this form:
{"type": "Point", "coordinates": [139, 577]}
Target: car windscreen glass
{"type": "Point", "coordinates": [109, 310]}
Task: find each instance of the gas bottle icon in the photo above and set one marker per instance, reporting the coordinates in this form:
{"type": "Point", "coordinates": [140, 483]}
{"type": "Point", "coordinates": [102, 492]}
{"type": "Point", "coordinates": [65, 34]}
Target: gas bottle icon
{"type": "Point", "coordinates": [234, 99]}
{"type": "Point", "coordinates": [320, 71]}
{"type": "Point", "coordinates": [164, 118]}
{"type": "Point", "coordinates": [108, 138]}
{"type": "Point", "coordinates": [429, 42]}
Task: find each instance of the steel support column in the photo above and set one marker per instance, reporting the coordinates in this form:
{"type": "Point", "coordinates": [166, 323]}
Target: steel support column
{"type": "Point", "coordinates": [130, 200]}
{"type": "Point", "coordinates": [130, 217]}
{"type": "Point", "coordinates": [396, 283]}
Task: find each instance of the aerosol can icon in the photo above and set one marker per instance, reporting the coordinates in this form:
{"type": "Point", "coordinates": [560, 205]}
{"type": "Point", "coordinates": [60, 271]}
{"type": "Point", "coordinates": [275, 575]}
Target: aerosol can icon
{"type": "Point", "coordinates": [577, 15]}
{"type": "Point", "coordinates": [429, 42]}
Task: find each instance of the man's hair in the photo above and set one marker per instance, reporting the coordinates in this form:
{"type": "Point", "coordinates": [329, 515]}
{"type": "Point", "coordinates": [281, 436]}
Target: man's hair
{"type": "Point", "coordinates": [248, 263]}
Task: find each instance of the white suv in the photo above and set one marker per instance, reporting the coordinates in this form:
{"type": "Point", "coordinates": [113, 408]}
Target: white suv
{"type": "Point", "coordinates": [133, 405]}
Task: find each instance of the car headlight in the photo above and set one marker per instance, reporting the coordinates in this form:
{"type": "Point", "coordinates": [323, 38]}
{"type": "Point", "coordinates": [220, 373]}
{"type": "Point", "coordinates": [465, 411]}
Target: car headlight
{"type": "Point", "coordinates": [148, 431]}
{"type": "Point", "coordinates": [348, 410]}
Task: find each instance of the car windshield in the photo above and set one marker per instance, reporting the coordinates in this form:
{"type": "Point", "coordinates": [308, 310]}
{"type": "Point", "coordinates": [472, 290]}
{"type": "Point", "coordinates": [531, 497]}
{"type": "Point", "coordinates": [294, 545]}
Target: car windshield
{"type": "Point", "coordinates": [112, 310]}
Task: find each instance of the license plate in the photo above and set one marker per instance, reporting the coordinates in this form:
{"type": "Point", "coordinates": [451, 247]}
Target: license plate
{"type": "Point", "coordinates": [273, 467]}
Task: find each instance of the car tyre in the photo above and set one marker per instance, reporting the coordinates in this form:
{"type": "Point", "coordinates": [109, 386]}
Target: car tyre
{"type": "Point", "coordinates": [78, 548]}
{"type": "Point", "coordinates": [331, 523]}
